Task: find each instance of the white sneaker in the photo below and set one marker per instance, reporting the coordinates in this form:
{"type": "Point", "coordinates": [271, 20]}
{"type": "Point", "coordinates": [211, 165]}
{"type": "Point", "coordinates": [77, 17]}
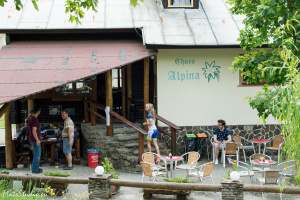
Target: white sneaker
{"type": "Point", "coordinates": [216, 162]}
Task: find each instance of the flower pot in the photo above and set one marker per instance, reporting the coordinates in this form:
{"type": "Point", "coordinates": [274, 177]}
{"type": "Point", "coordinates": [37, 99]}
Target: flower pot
{"type": "Point", "coordinates": [114, 189]}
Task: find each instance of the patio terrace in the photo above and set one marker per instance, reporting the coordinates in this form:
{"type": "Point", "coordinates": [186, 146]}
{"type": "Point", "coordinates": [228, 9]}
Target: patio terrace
{"type": "Point", "coordinates": [80, 192]}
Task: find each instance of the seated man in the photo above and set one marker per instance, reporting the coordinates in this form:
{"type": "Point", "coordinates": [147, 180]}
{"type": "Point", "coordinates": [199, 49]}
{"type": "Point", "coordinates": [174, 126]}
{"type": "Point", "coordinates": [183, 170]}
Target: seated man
{"type": "Point", "coordinates": [222, 135]}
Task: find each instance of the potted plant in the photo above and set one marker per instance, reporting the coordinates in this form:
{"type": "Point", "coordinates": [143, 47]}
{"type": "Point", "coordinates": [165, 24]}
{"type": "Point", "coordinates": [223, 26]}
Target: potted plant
{"type": "Point", "coordinates": [109, 169]}
{"type": "Point", "coordinates": [58, 188]}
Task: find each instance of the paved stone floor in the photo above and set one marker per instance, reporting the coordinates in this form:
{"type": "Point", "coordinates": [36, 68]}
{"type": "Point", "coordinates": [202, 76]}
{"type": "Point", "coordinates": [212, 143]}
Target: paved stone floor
{"type": "Point", "coordinates": [79, 192]}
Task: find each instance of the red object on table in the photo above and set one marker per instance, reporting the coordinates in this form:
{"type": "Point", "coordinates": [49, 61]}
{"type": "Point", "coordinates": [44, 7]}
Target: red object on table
{"type": "Point", "coordinates": [261, 141]}
{"type": "Point", "coordinates": [174, 158]}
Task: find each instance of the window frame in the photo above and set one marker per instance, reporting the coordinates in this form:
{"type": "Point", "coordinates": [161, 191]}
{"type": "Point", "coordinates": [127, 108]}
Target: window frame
{"type": "Point", "coordinates": [167, 5]}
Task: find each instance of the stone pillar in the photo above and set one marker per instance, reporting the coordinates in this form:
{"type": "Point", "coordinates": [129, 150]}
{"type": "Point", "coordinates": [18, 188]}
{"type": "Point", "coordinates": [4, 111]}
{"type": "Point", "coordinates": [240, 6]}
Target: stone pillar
{"type": "Point", "coordinates": [99, 187]}
{"type": "Point", "coordinates": [232, 190]}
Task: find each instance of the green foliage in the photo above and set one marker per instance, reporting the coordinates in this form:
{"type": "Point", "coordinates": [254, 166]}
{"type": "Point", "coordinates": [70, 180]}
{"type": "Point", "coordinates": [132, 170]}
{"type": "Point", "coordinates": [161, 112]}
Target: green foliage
{"type": "Point", "coordinates": [254, 67]}
{"type": "Point", "coordinates": [269, 22]}
{"type": "Point", "coordinates": [7, 193]}
{"type": "Point", "coordinates": [109, 168]}
{"type": "Point", "coordinates": [57, 174]}
{"type": "Point", "coordinates": [277, 24]}
{"type": "Point", "coordinates": [177, 180]}
{"type": "Point", "coordinates": [227, 174]}
{"type": "Point", "coordinates": [297, 179]}
{"type": "Point", "coordinates": [74, 8]}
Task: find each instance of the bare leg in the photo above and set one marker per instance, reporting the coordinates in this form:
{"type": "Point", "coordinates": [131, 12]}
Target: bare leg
{"type": "Point", "coordinates": [217, 150]}
{"type": "Point", "coordinates": [149, 146]}
{"type": "Point", "coordinates": [69, 159]}
{"type": "Point", "coordinates": [156, 147]}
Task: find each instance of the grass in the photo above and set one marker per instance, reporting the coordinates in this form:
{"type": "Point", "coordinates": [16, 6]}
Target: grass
{"type": "Point", "coordinates": [57, 174]}
{"type": "Point", "coordinates": [177, 180]}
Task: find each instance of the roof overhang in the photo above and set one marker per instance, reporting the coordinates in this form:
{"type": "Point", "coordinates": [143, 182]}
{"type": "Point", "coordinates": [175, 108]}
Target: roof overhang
{"type": "Point", "coordinates": [28, 68]}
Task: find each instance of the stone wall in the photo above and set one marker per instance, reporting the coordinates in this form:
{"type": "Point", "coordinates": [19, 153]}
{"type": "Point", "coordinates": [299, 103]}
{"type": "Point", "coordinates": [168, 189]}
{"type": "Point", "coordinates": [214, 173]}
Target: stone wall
{"type": "Point", "coordinates": [121, 149]}
{"type": "Point", "coordinates": [247, 131]}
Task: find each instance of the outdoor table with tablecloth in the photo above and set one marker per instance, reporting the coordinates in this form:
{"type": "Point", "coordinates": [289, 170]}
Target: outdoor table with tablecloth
{"type": "Point", "coordinates": [171, 161]}
{"type": "Point", "coordinates": [259, 142]}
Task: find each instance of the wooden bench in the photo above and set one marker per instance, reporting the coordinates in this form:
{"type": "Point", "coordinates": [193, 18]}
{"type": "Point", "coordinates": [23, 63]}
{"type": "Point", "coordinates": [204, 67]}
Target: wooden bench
{"type": "Point", "coordinates": [180, 194]}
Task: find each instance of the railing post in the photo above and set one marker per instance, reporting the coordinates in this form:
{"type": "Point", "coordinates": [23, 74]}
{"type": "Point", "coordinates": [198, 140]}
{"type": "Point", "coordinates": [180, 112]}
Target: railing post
{"type": "Point", "coordinates": [99, 187]}
{"type": "Point", "coordinates": [173, 141]}
{"type": "Point", "coordinates": [232, 190]}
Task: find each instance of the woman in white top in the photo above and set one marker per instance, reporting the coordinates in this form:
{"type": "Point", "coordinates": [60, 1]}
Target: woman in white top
{"type": "Point", "coordinates": [153, 133]}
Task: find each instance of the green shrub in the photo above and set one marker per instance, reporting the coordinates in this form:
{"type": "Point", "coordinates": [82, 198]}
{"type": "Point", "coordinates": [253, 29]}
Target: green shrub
{"type": "Point", "coordinates": [109, 168]}
{"type": "Point", "coordinates": [57, 174]}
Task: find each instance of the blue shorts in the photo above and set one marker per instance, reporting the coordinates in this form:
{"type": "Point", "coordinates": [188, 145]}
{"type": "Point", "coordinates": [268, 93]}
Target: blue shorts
{"type": "Point", "coordinates": [67, 148]}
{"type": "Point", "coordinates": [153, 134]}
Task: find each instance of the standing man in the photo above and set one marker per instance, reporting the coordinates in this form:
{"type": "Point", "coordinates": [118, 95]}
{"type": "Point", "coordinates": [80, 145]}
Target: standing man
{"type": "Point", "coordinates": [222, 135]}
{"type": "Point", "coordinates": [34, 137]}
{"type": "Point", "coordinates": [68, 138]}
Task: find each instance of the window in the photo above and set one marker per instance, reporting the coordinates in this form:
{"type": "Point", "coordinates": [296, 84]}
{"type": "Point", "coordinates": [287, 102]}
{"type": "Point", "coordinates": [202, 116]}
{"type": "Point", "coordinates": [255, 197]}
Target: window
{"type": "Point", "coordinates": [116, 78]}
{"type": "Point", "coordinates": [181, 3]}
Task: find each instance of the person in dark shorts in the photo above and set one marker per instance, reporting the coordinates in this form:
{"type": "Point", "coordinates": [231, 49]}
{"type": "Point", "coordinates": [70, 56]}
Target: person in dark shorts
{"type": "Point", "coordinates": [34, 137]}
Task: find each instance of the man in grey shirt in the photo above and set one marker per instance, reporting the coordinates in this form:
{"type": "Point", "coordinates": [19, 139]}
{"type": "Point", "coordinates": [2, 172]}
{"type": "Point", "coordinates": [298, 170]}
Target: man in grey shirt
{"type": "Point", "coordinates": [68, 138]}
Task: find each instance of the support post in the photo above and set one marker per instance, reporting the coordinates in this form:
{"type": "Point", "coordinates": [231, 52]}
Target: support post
{"type": "Point", "coordinates": [232, 190]}
{"type": "Point", "coordinates": [146, 100]}
{"type": "Point", "coordinates": [30, 105]}
{"type": "Point", "coordinates": [99, 187]}
{"type": "Point", "coordinates": [92, 105]}
{"type": "Point", "coordinates": [9, 157]}
{"type": "Point", "coordinates": [109, 99]}
{"type": "Point", "coordinates": [86, 110]}
{"type": "Point", "coordinates": [123, 76]}
{"type": "Point", "coordinates": [173, 141]}
{"type": "Point", "coordinates": [129, 88]}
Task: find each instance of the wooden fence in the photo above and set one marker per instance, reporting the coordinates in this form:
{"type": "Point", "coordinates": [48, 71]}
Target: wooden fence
{"type": "Point", "coordinates": [100, 185]}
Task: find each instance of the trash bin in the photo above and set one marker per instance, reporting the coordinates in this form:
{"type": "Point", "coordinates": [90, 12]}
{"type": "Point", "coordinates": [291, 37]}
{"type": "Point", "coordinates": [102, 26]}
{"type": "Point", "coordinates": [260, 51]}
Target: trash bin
{"type": "Point", "coordinates": [93, 158]}
{"type": "Point", "coordinates": [190, 142]}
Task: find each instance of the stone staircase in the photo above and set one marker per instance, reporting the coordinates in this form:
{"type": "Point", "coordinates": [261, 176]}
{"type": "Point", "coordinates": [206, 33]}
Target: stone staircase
{"type": "Point", "coordinates": [122, 149]}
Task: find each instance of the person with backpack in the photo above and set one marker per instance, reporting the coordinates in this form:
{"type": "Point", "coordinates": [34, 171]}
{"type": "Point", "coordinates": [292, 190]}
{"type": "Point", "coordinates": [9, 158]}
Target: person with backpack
{"type": "Point", "coordinates": [34, 137]}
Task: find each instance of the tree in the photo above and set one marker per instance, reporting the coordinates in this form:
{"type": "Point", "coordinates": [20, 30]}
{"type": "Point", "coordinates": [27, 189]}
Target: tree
{"type": "Point", "coordinates": [274, 24]}
{"type": "Point", "coordinates": [74, 8]}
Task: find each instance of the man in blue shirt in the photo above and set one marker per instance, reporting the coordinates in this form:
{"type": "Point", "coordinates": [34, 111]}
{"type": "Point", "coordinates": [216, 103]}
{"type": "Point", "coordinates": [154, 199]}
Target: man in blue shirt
{"type": "Point", "coordinates": [222, 135]}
